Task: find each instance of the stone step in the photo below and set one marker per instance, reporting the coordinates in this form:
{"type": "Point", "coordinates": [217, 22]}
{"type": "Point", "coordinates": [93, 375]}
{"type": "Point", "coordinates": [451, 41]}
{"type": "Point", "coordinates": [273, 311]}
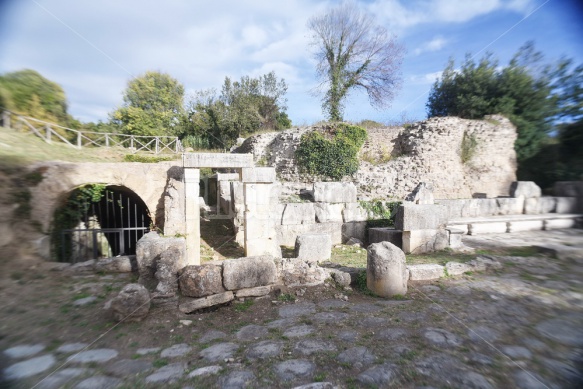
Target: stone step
{"type": "Point", "coordinates": [514, 223]}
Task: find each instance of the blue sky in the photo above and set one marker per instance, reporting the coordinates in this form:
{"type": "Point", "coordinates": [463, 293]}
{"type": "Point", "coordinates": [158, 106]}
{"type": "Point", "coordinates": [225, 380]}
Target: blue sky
{"type": "Point", "coordinates": [92, 48]}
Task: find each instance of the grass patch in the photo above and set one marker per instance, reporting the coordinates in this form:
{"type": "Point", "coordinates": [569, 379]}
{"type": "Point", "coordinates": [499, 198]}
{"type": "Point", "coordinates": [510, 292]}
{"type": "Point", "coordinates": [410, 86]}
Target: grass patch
{"type": "Point", "coordinates": [286, 297]}
{"type": "Point", "coordinates": [244, 306]}
{"type": "Point", "coordinates": [159, 363]}
{"type": "Point", "coordinates": [351, 256]}
{"type": "Point", "coordinates": [439, 258]}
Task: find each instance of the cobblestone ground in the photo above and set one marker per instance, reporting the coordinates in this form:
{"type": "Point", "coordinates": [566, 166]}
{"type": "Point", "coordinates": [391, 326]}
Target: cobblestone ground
{"type": "Point", "coordinates": [520, 326]}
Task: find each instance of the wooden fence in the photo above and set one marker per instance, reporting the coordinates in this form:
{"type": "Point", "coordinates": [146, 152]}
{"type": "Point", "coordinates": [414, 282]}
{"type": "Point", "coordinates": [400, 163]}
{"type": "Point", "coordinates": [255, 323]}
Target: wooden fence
{"type": "Point", "coordinates": [50, 132]}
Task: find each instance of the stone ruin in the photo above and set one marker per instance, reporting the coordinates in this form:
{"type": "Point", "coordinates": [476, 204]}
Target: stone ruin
{"type": "Point", "coordinates": [322, 214]}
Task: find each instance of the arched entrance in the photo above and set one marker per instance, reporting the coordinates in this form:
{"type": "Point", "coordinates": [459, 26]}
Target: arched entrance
{"type": "Point", "coordinates": [97, 221]}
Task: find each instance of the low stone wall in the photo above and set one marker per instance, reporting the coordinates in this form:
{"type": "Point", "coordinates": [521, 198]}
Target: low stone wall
{"type": "Point", "coordinates": [465, 208]}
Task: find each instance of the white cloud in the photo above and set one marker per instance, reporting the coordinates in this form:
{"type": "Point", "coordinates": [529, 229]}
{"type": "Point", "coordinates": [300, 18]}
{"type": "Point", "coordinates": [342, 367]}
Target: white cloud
{"type": "Point", "coordinates": [400, 15]}
{"type": "Point", "coordinates": [436, 44]}
{"type": "Point", "coordinates": [424, 79]}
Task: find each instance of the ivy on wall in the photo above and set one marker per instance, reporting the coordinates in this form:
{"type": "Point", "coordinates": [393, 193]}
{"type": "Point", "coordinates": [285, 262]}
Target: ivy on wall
{"type": "Point", "coordinates": [332, 153]}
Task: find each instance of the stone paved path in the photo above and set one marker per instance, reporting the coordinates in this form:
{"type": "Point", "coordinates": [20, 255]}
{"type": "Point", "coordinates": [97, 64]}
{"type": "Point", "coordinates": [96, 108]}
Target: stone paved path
{"type": "Point", "coordinates": [520, 327]}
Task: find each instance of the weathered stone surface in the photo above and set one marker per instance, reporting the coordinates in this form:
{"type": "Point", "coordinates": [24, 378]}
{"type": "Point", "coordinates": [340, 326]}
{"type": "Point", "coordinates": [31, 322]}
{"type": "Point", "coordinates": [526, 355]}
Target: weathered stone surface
{"type": "Point", "coordinates": [71, 347]}
{"type": "Point", "coordinates": [60, 378]}
{"type": "Point", "coordinates": [98, 355]}
{"type": "Point", "coordinates": [219, 352]}
{"type": "Point", "coordinates": [422, 194]}
{"type": "Point", "coordinates": [312, 346]}
{"type": "Point", "coordinates": [334, 192]}
{"type": "Point", "coordinates": [216, 160]}
{"type": "Point", "coordinates": [442, 338]}
{"type": "Point", "coordinates": [552, 224]}
{"type": "Point", "coordinates": [99, 382]}
{"type": "Point", "coordinates": [123, 264]}
{"type": "Point", "coordinates": [358, 357]}
{"type": "Point", "coordinates": [128, 367]}
{"type": "Point", "coordinates": [455, 238]}
{"type": "Point", "coordinates": [177, 350]}
{"type": "Point", "coordinates": [330, 317]}
{"type": "Point", "coordinates": [237, 380]}
{"type": "Point", "coordinates": [294, 369]}
{"type": "Point", "coordinates": [566, 205]}
{"type": "Point", "coordinates": [24, 351]}
{"type": "Point", "coordinates": [174, 206]}
{"type": "Point", "coordinates": [204, 371]}
{"type": "Point", "coordinates": [251, 332]}
{"type": "Point", "coordinates": [212, 335]}
{"type": "Point", "coordinates": [146, 351]}
{"type": "Point", "coordinates": [423, 241]}
{"type": "Point", "coordinates": [353, 212]}
{"type": "Point", "coordinates": [29, 367]}
{"type": "Point", "coordinates": [253, 292]}
{"type": "Point", "coordinates": [264, 350]}
{"type": "Point", "coordinates": [386, 273]}
{"type": "Point", "coordinates": [341, 278]}
{"type": "Point", "coordinates": [385, 234]}
{"type": "Point", "coordinates": [171, 261]}
{"type": "Point", "coordinates": [297, 272]}
{"type": "Point", "coordinates": [313, 247]}
{"type": "Point", "coordinates": [563, 330]}
{"type": "Point", "coordinates": [249, 272]}
{"type": "Point", "coordinates": [420, 217]}
{"type": "Point", "coordinates": [510, 205]}
{"type": "Point", "coordinates": [483, 333]}
{"type": "Point", "coordinates": [258, 174]}
{"type": "Point", "coordinates": [225, 199]}
{"type": "Point", "coordinates": [353, 230]}
{"type": "Point", "coordinates": [525, 225]}
{"type": "Point", "coordinates": [326, 213]}
{"type": "Point", "coordinates": [131, 304]}
{"type": "Point", "coordinates": [149, 251]}
{"type": "Point", "coordinates": [487, 228]}
{"type": "Point", "coordinates": [287, 234]}
{"type": "Point", "coordinates": [298, 213]}
{"type": "Point", "coordinates": [526, 189]}
{"type": "Point", "coordinates": [191, 305]}
{"type": "Point", "coordinates": [517, 352]}
{"type": "Point", "coordinates": [298, 331]}
{"type": "Point", "coordinates": [380, 376]}
{"type": "Point", "coordinates": [85, 301]}
{"type": "Point", "coordinates": [426, 272]}
{"type": "Point", "coordinates": [167, 374]}
{"type": "Point", "coordinates": [298, 309]}
{"type": "Point", "coordinates": [457, 268]}
{"type": "Point", "coordinates": [201, 281]}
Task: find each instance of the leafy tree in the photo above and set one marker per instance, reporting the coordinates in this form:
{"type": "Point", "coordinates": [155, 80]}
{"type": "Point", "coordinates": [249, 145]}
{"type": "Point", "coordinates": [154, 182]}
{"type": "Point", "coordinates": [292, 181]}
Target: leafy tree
{"type": "Point", "coordinates": [28, 93]}
{"type": "Point", "coordinates": [354, 53]}
{"type": "Point", "coordinates": [242, 108]}
{"type": "Point", "coordinates": [522, 91]}
{"type": "Point", "coordinates": [152, 105]}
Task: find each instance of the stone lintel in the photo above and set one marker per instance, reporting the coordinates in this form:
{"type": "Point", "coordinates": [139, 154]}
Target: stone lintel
{"type": "Point", "coordinates": [217, 160]}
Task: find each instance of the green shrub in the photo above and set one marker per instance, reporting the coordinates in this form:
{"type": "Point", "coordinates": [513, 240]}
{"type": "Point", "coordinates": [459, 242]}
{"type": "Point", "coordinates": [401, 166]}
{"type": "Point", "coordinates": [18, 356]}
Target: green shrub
{"type": "Point", "coordinates": [332, 154]}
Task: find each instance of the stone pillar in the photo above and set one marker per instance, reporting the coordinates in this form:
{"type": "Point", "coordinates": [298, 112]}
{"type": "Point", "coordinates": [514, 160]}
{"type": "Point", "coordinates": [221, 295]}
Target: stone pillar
{"type": "Point", "coordinates": [191, 193]}
{"type": "Point", "coordinates": [260, 233]}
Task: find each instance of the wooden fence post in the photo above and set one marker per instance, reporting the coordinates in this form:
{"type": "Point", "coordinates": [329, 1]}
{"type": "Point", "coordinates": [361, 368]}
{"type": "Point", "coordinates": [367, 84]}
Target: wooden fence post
{"type": "Point", "coordinates": [157, 145]}
{"type": "Point", "coordinates": [79, 140]}
{"type": "Point", "coordinates": [6, 119]}
{"type": "Point", "coordinates": [106, 139]}
{"type": "Point", "coordinates": [48, 133]}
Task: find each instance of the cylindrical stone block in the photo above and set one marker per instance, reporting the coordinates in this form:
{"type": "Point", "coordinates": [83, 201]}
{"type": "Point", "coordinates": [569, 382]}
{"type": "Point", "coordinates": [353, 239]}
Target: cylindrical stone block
{"type": "Point", "coordinates": [386, 272]}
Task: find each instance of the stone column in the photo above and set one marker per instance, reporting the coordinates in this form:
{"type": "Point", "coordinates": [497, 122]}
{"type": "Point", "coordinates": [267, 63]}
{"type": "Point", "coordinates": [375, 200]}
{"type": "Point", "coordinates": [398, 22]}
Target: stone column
{"type": "Point", "coordinates": [192, 218]}
{"type": "Point", "coordinates": [261, 196]}
{"type": "Point", "coordinates": [260, 233]}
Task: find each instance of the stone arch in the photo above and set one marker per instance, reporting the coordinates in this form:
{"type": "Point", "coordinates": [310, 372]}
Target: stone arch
{"type": "Point", "coordinates": [109, 225]}
{"type": "Point", "coordinates": [147, 181]}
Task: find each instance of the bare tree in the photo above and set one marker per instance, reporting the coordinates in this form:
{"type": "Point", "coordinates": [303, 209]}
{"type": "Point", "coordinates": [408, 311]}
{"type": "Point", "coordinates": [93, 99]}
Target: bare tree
{"type": "Point", "coordinates": [353, 52]}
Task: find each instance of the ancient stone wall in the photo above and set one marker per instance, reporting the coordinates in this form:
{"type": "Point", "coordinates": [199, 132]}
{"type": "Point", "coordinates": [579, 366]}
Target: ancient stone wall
{"type": "Point", "coordinates": [428, 151]}
{"type": "Point", "coordinates": [148, 180]}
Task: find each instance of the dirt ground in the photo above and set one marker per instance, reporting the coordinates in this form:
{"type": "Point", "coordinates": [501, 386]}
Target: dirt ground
{"type": "Point", "coordinates": [518, 326]}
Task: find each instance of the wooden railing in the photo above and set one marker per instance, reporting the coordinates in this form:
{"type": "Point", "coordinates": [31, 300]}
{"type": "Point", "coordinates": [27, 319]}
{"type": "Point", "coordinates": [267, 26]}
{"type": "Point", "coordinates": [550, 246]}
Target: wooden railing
{"type": "Point", "coordinates": [79, 139]}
